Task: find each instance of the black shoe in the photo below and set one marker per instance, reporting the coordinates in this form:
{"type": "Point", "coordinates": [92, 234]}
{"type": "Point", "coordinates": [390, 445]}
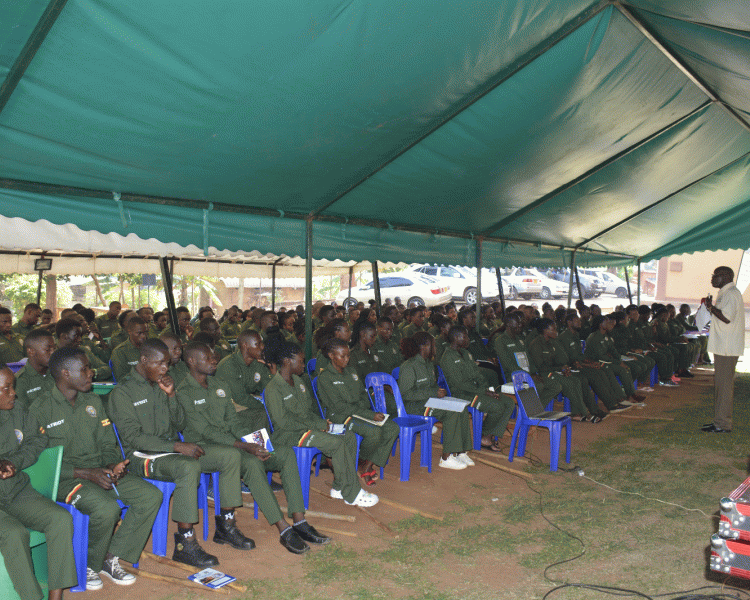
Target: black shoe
{"type": "Point", "coordinates": [707, 426]}
{"type": "Point", "coordinates": [188, 551]}
{"type": "Point", "coordinates": [619, 408]}
{"type": "Point", "coordinates": [685, 373]}
{"type": "Point", "coordinates": [715, 429]}
{"type": "Point", "coordinates": [293, 542]}
{"type": "Point", "coordinates": [276, 486]}
{"type": "Point", "coordinates": [227, 532]}
{"type": "Point", "coordinates": [308, 533]}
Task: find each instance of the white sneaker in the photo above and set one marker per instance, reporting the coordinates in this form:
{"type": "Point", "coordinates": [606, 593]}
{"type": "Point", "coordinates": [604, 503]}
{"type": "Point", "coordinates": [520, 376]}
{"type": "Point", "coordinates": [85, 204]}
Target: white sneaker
{"type": "Point", "coordinates": [336, 494]}
{"type": "Point", "coordinates": [452, 462]}
{"type": "Point", "coordinates": [112, 569]}
{"type": "Point", "coordinates": [464, 458]}
{"type": "Point", "coordinates": [364, 499]}
{"type": "Point", "coordinates": [627, 403]}
{"type": "Point", "coordinates": [93, 581]}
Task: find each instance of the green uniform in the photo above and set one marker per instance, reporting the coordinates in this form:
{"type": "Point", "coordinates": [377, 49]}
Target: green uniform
{"type": "Point", "coordinates": [21, 506]}
{"type": "Point", "coordinates": [153, 331]}
{"type": "Point", "coordinates": [344, 395]}
{"type": "Point", "coordinates": [295, 424]}
{"type": "Point", "coordinates": [417, 384]}
{"type": "Point", "coordinates": [600, 347]}
{"type": "Point", "coordinates": [11, 348]}
{"type": "Point", "coordinates": [677, 331]}
{"type": "Point", "coordinates": [409, 330]}
{"type": "Point", "coordinates": [467, 382]}
{"type": "Point", "coordinates": [679, 350]}
{"type": "Point", "coordinates": [30, 384]}
{"type": "Point", "coordinates": [107, 327]}
{"type": "Point", "coordinates": [388, 353]}
{"type": "Point", "coordinates": [440, 345]}
{"type": "Point", "coordinates": [86, 434]}
{"type": "Point", "coordinates": [148, 421]}
{"type": "Point", "coordinates": [230, 330]}
{"type": "Point", "coordinates": [640, 366]}
{"type": "Point", "coordinates": [290, 337]}
{"type": "Point", "coordinates": [246, 383]}
{"type": "Point", "coordinates": [214, 421]}
{"type": "Point", "coordinates": [222, 348]}
{"type": "Point", "coordinates": [321, 363]}
{"type": "Point", "coordinates": [604, 385]}
{"type": "Point", "coordinates": [102, 372]}
{"type": "Point", "coordinates": [124, 358]}
{"type": "Point", "coordinates": [364, 362]}
{"type": "Point", "coordinates": [178, 373]}
{"type": "Point", "coordinates": [103, 354]}
{"type": "Point", "coordinates": [702, 341]}
{"type": "Point", "coordinates": [22, 329]}
{"type": "Point", "coordinates": [644, 334]}
{"type": "Point", "coordinates": [118, 337]}
{"type": "Point", "coordinates": [511, 353]}
{"type": "Point", "coordinates": [550, 358]}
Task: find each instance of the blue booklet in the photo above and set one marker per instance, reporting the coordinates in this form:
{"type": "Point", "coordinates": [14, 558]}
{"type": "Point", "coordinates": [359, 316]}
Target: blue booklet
{"type": "Point", "coordinates": [212, 578]}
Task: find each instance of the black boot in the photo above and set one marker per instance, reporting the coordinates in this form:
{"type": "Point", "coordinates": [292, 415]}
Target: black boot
{"type": "Point", "coordinates": [227, 532]}
{"type": "Point", "coordinates": [188, 551]}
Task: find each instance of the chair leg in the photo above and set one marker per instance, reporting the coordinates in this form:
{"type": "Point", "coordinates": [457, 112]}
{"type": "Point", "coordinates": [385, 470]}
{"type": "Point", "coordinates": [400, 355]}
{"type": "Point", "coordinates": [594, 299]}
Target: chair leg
{"type": "Point", "coordinates": [477, 419]}
{"type": "Point", "coordinates": [303, 464]}
{"type": "Point", "coordinates": [203, 483]}
{"type": "Point", "coordinates": [554, 448]}
{"type": "Point", "coordinates": [522, 437]}
{"type": "Point", "coordinates": [405, 443]}
{"type": "Point", "coordinates": [568, 438]}
{"type": "Point", "coordinates": [513, 441]}
{"type": "Point", "coordinates": [161, 522]}
{"type": "Point", "coordinates": [425, 456]}
{"type": "Point", "coordinates": [80, 544]}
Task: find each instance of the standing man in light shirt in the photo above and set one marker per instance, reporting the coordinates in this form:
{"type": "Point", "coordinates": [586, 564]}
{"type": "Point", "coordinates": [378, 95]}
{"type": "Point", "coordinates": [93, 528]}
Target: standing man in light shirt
{"type": "Point", "coordinates": [726, 342]}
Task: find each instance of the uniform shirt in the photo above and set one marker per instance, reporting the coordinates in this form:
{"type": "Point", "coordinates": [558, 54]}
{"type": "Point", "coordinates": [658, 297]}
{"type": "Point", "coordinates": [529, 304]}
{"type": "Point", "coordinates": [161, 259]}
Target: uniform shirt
{"type": "Point", "coordinates": [462, 374]}
{"type": "Point", "coordinates": [119, 337]}
{"type": "Point", "coordinates": [290, 408]}
{"type": "Point", "coordinates": [477, 347]}
{"type": "Point", "coordinates": [364, 362]}
{"type": "Point", "coordinates": [728, 339]}
{"type": "Point", "coordinates": [246, 382]}
{"type": "Point", "coordinates": [321, 362]}
{"type": "Point", "coordinates": [153, 331]}
{"type": "Point", "coordinates": [222, 348]}
{"type": "Point", "coordinates": [83, 430]}
{"type": "Point", "coordinates": [637, 339]}
{"type": "Point", "coordinates": [230, 330]}
{"type": "Point", "coordinates": [11, 349]}
{"type": "Point", "coordinates": [343, 394]}
{"type": "Point", "coordinates": [621, 337]}
{"type": "Point", "coordinates": [101, 353]}
{"type": "Point", "coordinates": [290, 337]}
{"type": "Point", "coordinates": [30, 384]}
{"type": "Point", "coordinates": [512, 355]}
{"type": "Point", "coordinates": [662, 332]}
{"type": "Point", "coordinates": [686, 325]}
{"type": "Point", "coordinates": [178, 372]}
{"type": "Point", "coordinates": [21, 443]}
{"type": "Point", "coordinates": [388, 353]}
{"type": "Point", "coordinates": [211, 416]}
{"type": "Point", "coordinates": [570, 342]}
{"type": "Point", "coordinates": [146, 418]}
{"type": "Point", "coordinates": [409, 330]}
{"type": "Point", "coordinates": [601, 347]}
{"type": "Point", "coordinates": [548, 356]}
{"type": "Point", "coordinates": [22, 329]}
{"type": "Point", "coordinates": [107, 327]}
{"type": "Point", "coordinates": [416, 381]}
{"type": "Point", "coordinates": [124, 358]}
{"type": "Point", "coordinates": [102, 372]}
{"type": "Point", "coordinates": [440, 345]}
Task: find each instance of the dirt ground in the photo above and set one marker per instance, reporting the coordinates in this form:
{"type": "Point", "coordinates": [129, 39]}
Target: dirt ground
{"type": "Point", "coordinates": [494, 540]}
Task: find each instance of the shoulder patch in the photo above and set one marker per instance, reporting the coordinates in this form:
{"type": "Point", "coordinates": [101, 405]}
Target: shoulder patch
{"type": "Point", "coordinates": [91, 411]}
{"type": "Point", "coordinates": [376, 357]}
{"type": "Point", "coordinates": [221, 393]}
{"type": "Point", "coordinates": [256, 378]}
{"type": "Point", "coordinates": [355, 377]}
{"type": "Point", "coordinates": [302, 387]}
{"type": "Point", "coordinates": [19, 435]}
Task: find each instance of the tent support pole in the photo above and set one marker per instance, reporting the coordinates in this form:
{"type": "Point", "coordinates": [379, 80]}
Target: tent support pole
{"type": "Point", "coordinates": [627, 281]}
{"type": "Point", "coordinates": [273, 287]}
{"type": "Point", "coordinates": [376, 286]}
{"type": "Point", "coordinates": [308, 288]}
{"type": "Point", "coordinates": [578, 284]}
{"type": "Point", "coordinates": [166, 277]}
{"type": "Point", "coordinates": [39, 288]}
{"type": "Point", "coordinates": [570, 281]}
{"type": "Point", "coordinates": [639, 283]}
{"type": "Point", "coordinates": [349, 287]}
{"type": "Point", "coordinates": [479, 282]}
{"type": "Point", "coordinates": [502, 293]}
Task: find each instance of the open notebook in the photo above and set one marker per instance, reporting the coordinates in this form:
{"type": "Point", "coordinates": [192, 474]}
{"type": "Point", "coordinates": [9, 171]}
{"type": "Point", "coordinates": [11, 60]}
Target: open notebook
{"type": "Point", "coordinates": [534, 409]}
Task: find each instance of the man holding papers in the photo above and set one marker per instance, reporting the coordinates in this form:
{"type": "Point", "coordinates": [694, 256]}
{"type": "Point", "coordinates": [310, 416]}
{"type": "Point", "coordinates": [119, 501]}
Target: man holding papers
{"type": "Point", "coordinates": [148, 416]}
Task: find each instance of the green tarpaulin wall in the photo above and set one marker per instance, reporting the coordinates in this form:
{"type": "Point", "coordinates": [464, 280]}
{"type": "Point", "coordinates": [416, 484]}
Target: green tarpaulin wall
{"type": "Point", "coordinates": [405, 130]}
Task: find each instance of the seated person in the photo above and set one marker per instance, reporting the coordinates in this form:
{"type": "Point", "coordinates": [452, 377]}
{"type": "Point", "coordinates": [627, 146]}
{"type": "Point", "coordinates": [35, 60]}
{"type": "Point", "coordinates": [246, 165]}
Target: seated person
{"type": "Point", "coordinates": [688, 324]}
{"type": "Point", "coordinates": [11, 344]}
{"type": "Point", "coordinates": [269, 322]}
{"type": "Point", "coordinates": [483, 354]}
{"type": "Point", "coordinates": [121, 335]}
{"type": "Point", "coordinates": [467, 382]}
{"type": "Point", "coordinates": [183, 322]}
{"type": "Point", "coordinates": [338, 328]}
{"type": "Point", "coordinates": [230, 328]}
{"type": "Point", "coordinates": [362, 358]}
{"type": "Point", "coordinates": [211, 326]}
{"type": "Point", "coordinates": [108, 324]}
{"type": "Point", "coordinates": [90, 336]}
{"type": "Point", "coordinates": [295, 423]}
{"type": "Point", "coordinates": [418, 384]}
{"type": "Point", "coordinates": [126, 355]}
{"type": "Point", "coordinates": [161, 321]}
{"type": "Point", "coordinates": [388, 351]}
{"type": "Point", "coordinates": [148, 415]}
{"type": "Point", "coordinates": [177, 368]}
{"type": "Point", "coordinates": [341, 391]}
{"type": "Point", "coordinates": [33, 379]}
{"type": "Point", "coordinates": [47, 318]}
{"type": "Point", "coordinates": [21, 506]}
{"type": "Point", "coordinates": [69, 336]}
{"type": "Point", "coordinates": [212, 421]}
{"type": "Point", "coordinates": [28, 321]}
{"type": "Point", "coordinates": [94, 476]}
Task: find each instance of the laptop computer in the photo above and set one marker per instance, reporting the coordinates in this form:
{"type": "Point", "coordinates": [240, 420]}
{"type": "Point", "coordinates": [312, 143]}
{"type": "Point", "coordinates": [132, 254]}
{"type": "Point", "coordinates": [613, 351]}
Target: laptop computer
{"type": "Point", "coordinates": [534, 409]}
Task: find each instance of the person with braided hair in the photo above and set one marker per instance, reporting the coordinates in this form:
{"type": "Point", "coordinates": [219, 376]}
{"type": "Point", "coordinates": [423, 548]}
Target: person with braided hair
{"type": "Point", "coordinates": [338, 328]}
{"type": "Point", "coordinates": [296, 423]}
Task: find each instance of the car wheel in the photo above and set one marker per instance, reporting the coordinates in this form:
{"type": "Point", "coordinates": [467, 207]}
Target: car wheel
{"type": "Point", "coordinates": [512, 294]}
{"type": "Point", "coordinates": [621, 292]}
{"type": "Point", "coordinates": [470, 295]}
{"type": "Point", "coordinates": [546, 294]}
{"type": "Point", "coordinates": [415, 301]}
{"type": "Point", "coordinates": [349, 302]}
{"type": "Point", "coordinates": [575, 292]}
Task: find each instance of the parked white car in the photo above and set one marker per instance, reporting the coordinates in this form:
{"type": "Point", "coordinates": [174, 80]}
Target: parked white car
{"type": "Point", "coordinates": [461, 281]}
{"type": "Point", "coordinates": [551, 288]}
{"type": "Point", "coordinates": [612, 283]}
{"type": "Point", "coordinates": [522, 282]}
{"type": "Point", "coordinates": [412, 288]}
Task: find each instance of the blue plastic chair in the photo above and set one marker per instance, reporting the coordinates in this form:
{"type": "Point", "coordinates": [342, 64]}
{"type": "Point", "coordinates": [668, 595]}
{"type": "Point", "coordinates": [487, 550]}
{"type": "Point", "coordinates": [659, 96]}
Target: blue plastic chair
{"type": "Point", "coordinates": [16, 366]}
{"type": "Point", "coordinates": [477, 416]}
{"type": "Point", "coordinates": [112, 368]}
{"type": "Point", "coordinates": [323, 414]}
{"type": "Point", "coordinates": [395, 373]}
{"type": "Point", "coordinates": [305, 458]}
{"type": "Point", "coordinates": [654, 377]}
{"type": "Point", "coordinates": [560, 398]}
{"type": "Point", "coordinates": [311, 367]}
{"type": "Point", "coordinates": [408, 425]}
{"type": "Point", "coordinates": [521, 379]}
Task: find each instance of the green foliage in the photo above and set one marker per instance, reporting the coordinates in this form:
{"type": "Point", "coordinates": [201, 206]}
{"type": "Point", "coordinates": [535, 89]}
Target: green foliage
{"type": "Point", "coordinates": [19, 290]}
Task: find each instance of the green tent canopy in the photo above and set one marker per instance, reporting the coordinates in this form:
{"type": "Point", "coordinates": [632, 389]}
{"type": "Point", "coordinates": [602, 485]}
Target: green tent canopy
{"type": "Point", "coordinates": [400, 131]}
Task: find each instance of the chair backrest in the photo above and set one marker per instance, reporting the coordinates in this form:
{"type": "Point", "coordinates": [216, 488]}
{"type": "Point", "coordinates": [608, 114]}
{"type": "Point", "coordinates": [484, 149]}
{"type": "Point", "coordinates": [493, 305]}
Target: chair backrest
{"type": "Point", "coordinates": [502, 372]}
{"type": "Point", "coordinates": [485, 341]}
{"type": "Point", "coordinates": [395, 373]}
{"type": "Point", "coordinates": [442, 381]}
{"type": "Point", "coordinates": [263, 400]}
{"type": "Point", "coordinates": [16, 366]}
{"type": "Point", "coordinates": [112, 368]}
{"type": "Point", "coordinates": [311, 366]}
{"type": "Point", "coordinates": [522, 381]}
{"type": "Point", "coordinates": [119, 443]}
{"type": "Point", "coordinates": [44, 474]}
{"type": "Point", "coordinates": [315, 393]}
{"type": "Point", "coordinates": [378, 381]}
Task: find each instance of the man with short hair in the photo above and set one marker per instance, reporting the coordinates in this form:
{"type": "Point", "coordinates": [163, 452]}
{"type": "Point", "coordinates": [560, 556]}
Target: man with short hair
{"type": "Point", "coordinates": [119, 336]}
{"type": "Point", "coordinates": [127, 354]}
{"type": "Point", "coordinates": [94, 475]}
{"type": "Point", "coordinates": [69, 336]}
{"type": "Point", "coordinates": [33, 380]}
{"type": "Point", "coordinates": [388, 352]}
{"type": "Point", "coordinates": [211, 326]}
{"type": "Point", "coordinates": [108, 323]}
{"type": "Point", "coordinates": [230, 328]}
{"type": "Point", "coordinates": [177, 368]}
{"type": "Point", "coordinates": [47, 317]}
{"type": "Point", "coordinates": [11, 344]}
{"type": "Point", "coordinates": [726, 341]}
{"type": "Point", "coordinates": [148, 416]}
{"type": "Point", "coordinates": [28, 321]}
{"type": "Point", "coordinates": [183, 322]}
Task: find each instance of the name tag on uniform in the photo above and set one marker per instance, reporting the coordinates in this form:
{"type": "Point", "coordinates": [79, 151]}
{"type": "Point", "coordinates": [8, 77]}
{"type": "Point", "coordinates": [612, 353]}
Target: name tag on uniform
{"type": "Point", "coordinates": [421, 380]}
{"type": "Point", "coordinates": [36, 389]}
{"type": "Point", "coordinates": [287, 397]}
{"type": "Point", "coordinates": [338, 383]}
{"type": "Point", "coordinates": [56, 423]}
{"type": "Point", "coordinates": [140, 402]}
{"type": "Point", "coordinates": [201, 401]}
